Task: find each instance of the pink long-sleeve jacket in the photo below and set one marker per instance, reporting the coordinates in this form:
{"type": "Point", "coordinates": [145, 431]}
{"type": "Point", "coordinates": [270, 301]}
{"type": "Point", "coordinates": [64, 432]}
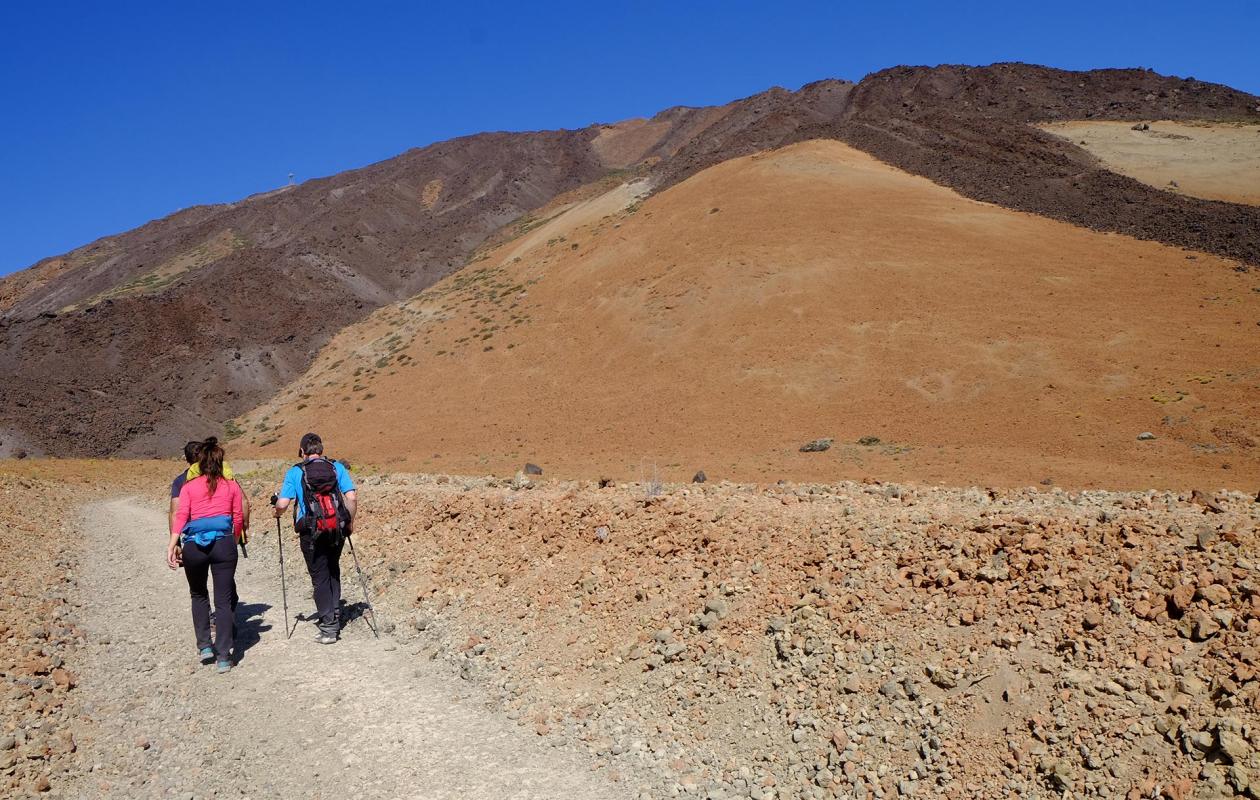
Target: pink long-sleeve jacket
{"type": "Point", "coordinates": [196, 502]}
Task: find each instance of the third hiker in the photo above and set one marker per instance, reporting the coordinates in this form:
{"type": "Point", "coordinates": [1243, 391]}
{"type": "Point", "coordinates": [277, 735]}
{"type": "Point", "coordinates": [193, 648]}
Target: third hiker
{"type": "Point", "coordinates": [324, 504]}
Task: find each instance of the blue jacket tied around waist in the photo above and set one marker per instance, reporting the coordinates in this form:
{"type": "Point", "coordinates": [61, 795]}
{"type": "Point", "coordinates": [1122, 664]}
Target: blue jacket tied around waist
{"type": "Point", "coordinates": [207, 530]}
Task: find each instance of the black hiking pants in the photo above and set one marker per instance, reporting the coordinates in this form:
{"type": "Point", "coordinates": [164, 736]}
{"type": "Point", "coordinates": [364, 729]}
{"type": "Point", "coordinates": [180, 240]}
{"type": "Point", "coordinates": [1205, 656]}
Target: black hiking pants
{"type": "Point", "coordinates": [323, 562]}
{"type": "Point", "coordinates": [219, 559]}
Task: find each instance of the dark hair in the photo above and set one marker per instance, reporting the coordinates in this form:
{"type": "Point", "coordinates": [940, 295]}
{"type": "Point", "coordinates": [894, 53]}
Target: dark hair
{"type": "Point", "coordinates": [210, 459]}
{"type": "Point", "coordinates": [191, 450]}
{"type": "Point", "coordinates": [311, 445]}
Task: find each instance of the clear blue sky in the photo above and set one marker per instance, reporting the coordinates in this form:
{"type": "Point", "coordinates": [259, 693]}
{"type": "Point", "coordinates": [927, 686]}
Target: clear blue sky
{"type": "Point", "coordinates": [114, 113]}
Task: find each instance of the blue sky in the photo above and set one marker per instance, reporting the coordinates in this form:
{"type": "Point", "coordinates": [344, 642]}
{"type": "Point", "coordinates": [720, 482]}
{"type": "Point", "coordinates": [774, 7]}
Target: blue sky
{"type": "Point", "coordinates": [112, 114]}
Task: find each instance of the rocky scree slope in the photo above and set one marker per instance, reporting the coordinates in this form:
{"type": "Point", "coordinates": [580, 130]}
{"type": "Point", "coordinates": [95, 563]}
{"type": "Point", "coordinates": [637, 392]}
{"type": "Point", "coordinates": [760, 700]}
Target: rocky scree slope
{"type": "Point", "coordinates": [136, 341]}
{"type": "Point", "coordinates": [849, 640]}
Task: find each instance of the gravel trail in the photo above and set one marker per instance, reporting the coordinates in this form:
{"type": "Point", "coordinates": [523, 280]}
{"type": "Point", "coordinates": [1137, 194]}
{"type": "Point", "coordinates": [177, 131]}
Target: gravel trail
{"type": "Point", "coordinates": [360, 719]}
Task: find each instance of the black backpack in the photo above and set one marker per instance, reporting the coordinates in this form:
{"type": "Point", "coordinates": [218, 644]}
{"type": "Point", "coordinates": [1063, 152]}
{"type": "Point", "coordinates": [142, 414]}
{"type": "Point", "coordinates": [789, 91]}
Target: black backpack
{"type": "Point", "coordinates": [324, 508]}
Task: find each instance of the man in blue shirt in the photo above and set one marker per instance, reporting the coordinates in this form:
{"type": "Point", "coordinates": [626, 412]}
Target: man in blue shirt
{"type": "Point", "coordinates": [321, 551]}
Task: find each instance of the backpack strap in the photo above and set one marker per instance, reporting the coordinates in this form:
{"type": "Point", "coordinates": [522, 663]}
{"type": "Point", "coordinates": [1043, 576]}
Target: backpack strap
{"type": "Point", "coordinates": [306, 488]}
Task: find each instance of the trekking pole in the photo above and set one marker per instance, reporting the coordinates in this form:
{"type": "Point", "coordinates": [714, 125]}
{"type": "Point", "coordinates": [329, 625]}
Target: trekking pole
{"type": "Point", "coordinates": [363, 584]}
{"type": "Point", "coordinates": [284, 592]}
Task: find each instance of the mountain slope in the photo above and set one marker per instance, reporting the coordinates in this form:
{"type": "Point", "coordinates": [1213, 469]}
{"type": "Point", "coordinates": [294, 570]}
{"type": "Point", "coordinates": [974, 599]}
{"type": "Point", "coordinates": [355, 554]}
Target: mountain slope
{"type": "Point", "coordinates": [134, 342]}
{"type": "Point", "coordinates": [807, 292]}
{"type": "Point", "coordinates": [139, 340]}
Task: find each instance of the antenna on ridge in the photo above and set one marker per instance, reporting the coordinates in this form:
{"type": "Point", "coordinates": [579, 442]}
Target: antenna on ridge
{"type": "Point", "coordinates": [290, 178]}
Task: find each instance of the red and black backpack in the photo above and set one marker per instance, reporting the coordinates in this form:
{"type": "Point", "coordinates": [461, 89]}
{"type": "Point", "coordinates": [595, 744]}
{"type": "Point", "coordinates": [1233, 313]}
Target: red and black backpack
{"type": "Point", "coordinates": [324, 508]}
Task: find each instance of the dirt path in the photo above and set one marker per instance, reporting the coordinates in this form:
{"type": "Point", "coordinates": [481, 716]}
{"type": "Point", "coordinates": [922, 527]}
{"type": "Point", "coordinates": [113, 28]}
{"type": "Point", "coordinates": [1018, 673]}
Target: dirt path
{"type": "Point", "coordinates": [360, 719]}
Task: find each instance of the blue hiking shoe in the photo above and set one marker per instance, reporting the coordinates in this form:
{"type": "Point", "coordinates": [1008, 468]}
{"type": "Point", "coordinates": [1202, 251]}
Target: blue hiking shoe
{"type": "Point", "coordinates": [224, 667]}
{"type": "Point", "coordinates": [206, 654]}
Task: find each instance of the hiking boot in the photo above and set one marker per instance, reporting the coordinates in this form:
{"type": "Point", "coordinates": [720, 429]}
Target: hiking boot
{"type": "Point", "coordinates": [324, 638]}
{"type": "Point", "coordinates": [224, 667]}
{"type": "Point", "coordinates": [206, 654]}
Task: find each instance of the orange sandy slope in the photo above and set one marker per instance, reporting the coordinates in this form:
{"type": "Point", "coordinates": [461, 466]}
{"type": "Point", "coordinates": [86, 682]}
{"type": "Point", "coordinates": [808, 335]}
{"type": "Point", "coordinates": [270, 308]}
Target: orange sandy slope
{"type": "Point", "coordinates": [807, 292]}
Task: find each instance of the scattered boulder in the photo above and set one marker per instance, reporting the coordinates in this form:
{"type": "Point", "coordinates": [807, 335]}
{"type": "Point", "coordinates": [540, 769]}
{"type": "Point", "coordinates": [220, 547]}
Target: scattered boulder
{"type": "Point", "coordinates": [1205, 537]}
{"type": "Point", "coordinates": [1201, 498]}
{"type": "Point", "coordinates": [868, 441]}
{"type": "Point", "coordinates": [718, 606]}
{"type": "Point", "coordinates": [1057, 772]}
{"type": "Point", "coordinates": [1145, 436]}
{"type": "Point", "coordinates": [1233, 744]}
{"type": "Point", "coordinates": [817, 446]}
{"type": "Point", "coordinates": [893, 690]}
{"type": "Point", "coordinates": [699, 477]}
{"type": "Point", "coordinates": [674, 651]}
{"type": "Point", "coordinates": [939, 677]}
{"type": "Point", "coordinates": [1198, 626]}
{"type": "Point", "coordinates": [532, 469]}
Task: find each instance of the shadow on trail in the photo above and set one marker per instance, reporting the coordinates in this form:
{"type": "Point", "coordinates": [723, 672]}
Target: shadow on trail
{"type": "Point", "coordinates": [249, 627]}
{"type": "Point", "coordinates": [350, 612]}
{"type": "Point", "coordinates": [353, 611]}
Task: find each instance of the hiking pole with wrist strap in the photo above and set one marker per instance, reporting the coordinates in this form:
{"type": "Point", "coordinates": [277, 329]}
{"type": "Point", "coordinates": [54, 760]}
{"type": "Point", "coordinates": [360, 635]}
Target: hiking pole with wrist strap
{"type": "Point", "coordinates": [363, 585]}
{"type": "Point", "coordinates": [284, 592]}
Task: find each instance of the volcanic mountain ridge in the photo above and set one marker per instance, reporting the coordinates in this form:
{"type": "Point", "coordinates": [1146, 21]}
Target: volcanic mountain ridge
{"type": "Point", "coordinates": [137, 341]}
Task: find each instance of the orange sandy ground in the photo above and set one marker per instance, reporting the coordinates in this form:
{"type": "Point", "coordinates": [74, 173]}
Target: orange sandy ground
{"type": "Point", "coordinates": [807, 292]}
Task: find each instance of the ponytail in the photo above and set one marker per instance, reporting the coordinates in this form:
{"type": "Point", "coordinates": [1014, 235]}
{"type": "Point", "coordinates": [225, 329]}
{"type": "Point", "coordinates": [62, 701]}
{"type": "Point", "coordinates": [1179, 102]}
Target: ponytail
{"type": "Point", "coordinates": [210, 460]}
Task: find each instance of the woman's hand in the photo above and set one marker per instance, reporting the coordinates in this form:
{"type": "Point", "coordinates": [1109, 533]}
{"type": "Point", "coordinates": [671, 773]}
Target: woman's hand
{"type": "Point", "coordinates": [173, 554]}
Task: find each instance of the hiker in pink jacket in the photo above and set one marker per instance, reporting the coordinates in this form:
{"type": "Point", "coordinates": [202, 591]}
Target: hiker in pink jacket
{"type": "Point", "coordinates": [204, 530]}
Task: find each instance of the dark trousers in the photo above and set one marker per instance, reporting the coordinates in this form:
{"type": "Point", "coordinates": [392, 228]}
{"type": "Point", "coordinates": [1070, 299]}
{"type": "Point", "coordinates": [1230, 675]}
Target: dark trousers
{"type": "Point", "coordinates": [218, 559]}
{"type": "Point", "coordinates": [323, 562]}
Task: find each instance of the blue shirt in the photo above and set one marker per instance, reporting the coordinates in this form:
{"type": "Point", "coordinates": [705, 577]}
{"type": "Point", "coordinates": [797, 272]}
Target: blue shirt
{"type": "Point", "coordinates": [292, 487]}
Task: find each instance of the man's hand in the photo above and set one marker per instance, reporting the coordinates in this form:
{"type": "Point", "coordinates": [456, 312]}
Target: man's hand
{"type": "Point", "coordinates": [277, 510]}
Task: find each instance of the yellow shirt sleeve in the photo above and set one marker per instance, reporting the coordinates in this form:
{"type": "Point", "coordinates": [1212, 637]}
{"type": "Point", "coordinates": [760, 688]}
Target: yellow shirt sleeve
{"type": "Point", "coordinates": [195, 470]}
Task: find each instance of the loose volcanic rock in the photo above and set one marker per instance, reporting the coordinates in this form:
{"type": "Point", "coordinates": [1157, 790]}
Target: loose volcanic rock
{"type": "Point", "coordinates": [845, 631]}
